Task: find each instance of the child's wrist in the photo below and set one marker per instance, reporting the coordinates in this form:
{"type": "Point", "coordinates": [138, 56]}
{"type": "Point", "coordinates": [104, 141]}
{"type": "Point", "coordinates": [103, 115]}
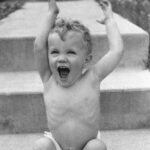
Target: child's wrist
{"type": "Point", "coordinates": [54, 10]}
{"type": "Point", "coordinates": [109, 20]}
{"type": "Point", "coordinates": [52, 13]}
{"type": "Point", "coordinates": [50, 18]}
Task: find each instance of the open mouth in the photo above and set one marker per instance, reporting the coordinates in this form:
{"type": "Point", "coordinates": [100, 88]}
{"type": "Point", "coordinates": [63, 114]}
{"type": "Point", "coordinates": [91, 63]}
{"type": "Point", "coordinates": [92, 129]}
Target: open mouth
{"type": "Point", "coordinates": [63, 71]}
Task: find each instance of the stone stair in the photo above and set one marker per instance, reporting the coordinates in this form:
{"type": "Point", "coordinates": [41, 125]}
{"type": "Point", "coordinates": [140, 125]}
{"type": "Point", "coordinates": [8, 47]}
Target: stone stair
{"type": "Point", "coordinates": [18, 31]}
{"type": "Point", "coordinates": [125, 98]}
{"type": "Point", "coordinates": [115, 140]}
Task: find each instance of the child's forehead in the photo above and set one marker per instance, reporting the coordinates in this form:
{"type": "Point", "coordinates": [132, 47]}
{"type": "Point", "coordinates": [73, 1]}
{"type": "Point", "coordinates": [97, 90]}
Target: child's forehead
{"type": "Point", "coordinates": [71, 37]}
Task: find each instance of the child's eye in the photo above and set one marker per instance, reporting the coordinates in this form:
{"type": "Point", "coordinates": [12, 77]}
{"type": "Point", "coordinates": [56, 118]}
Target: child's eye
{"type": "Point", "coordinates": [54, 52]}
{"type": "Point", "coordinates": [71, 52]}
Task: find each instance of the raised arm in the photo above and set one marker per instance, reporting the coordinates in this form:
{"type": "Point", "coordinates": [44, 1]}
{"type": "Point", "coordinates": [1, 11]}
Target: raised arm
{"type": "Point", "coordinates": [111, 59]}
{"type": "Point", "coordinates": [41, 42]}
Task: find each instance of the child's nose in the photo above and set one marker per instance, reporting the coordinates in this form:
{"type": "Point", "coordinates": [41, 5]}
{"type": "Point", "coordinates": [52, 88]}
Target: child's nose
{"type": "Point", "coordinates": [62, 59]}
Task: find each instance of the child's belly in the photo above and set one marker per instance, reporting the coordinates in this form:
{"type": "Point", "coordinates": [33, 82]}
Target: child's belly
{"type": "Point", "coordinates": [73, 129]}
{"type": "Point", "coordinates": [73, 115]}
{"type": "Point", "coordinates": [74, 134]}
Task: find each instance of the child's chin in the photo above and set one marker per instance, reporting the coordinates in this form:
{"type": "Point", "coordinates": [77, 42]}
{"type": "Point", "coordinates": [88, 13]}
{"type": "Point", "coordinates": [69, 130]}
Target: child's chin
{"type": "Point", "coordinates": [64, 84]}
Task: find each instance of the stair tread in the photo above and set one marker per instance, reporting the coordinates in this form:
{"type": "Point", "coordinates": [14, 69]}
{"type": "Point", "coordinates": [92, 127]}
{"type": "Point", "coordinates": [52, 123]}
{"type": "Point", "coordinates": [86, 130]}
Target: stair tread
{"type": "Point", "coordinates": [30, 82]}
{"type": "Point", "coordinates": [125, 79]}
{"type": "Point", "coordinates": [24, 22]}
{"type": "Point", "coordinates": [20, 82]}
{"type": "Point", "coordinates": [115, 140]}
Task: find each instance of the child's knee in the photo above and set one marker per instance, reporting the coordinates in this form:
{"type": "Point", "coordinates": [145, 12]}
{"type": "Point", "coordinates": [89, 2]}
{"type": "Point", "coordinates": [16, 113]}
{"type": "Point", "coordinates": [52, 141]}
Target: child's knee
{"type": "Point", "coordinates": [44, 144]}
{"type": "Point", "coordinates": [95, 144]}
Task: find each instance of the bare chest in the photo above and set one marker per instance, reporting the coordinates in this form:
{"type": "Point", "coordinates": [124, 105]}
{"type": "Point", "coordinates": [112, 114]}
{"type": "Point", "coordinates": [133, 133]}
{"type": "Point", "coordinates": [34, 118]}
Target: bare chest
{"type": "Point", "coordinates": [72, 102]}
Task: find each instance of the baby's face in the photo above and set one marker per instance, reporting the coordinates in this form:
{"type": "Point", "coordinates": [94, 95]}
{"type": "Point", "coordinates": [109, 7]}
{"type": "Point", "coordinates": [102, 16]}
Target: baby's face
{"type": "Point", "coordinates": [67, 58]}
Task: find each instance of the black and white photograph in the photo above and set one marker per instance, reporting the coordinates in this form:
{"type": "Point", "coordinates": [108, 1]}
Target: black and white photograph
{"type": "Point", "coordinates": [74, 75]}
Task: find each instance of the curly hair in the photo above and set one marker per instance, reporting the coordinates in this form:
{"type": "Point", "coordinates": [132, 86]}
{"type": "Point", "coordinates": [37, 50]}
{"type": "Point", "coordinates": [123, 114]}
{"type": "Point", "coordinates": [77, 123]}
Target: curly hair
{"type": "Point", "coordinates": [63, 26]}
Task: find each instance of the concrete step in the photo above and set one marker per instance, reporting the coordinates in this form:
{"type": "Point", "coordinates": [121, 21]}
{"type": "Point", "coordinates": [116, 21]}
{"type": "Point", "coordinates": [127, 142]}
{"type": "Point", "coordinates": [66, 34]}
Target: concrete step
{"type": "Point", "coordinates": [21, 103]}
{"type": "Point", "coordinates": [17, 33]}
{"type": "Point", "coordinates": [115, 140]}
{"type": "Point", "coordinates": [125, 101]}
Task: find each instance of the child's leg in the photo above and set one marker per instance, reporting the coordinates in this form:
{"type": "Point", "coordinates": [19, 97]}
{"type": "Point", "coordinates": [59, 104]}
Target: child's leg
{"type": "Point", "coordinates": [44, 144]}
{"type": "Point", "coordinates": [95, 144]}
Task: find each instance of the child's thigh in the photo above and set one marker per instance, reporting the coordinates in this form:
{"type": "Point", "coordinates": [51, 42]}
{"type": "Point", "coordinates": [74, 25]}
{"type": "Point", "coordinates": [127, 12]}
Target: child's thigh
{"type": "Point", "coordinates": [44, 144]}
{"type": "Point", "coordinates": [95, 144]}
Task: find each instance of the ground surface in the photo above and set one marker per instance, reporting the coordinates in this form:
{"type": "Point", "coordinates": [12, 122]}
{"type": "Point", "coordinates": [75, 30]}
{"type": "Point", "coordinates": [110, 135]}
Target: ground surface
{"type": "Point", "coordinates": [115, 140]}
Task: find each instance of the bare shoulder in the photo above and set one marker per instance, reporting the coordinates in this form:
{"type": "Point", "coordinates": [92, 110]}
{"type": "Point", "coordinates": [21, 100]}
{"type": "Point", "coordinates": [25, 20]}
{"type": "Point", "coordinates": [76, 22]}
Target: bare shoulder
{"type": "Point", "coordinates": [48, 85]}
{"type": "Point", "coordinates": [92, 76]}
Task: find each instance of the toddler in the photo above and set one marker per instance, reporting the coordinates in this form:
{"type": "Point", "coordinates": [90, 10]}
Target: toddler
{"type": "Point", "coordinates": [71, 86]}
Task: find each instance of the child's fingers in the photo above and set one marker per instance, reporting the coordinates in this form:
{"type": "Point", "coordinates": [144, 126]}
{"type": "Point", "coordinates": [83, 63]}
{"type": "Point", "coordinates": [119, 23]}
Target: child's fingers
{"type": "Point", "coordinates": [53, 6]}
{"type": "Point", "coordinates": [102, 5]}
{"type": "Point", "coordinates": [51, 2]}
{"type": "Point", "coordinates": [105, 6]}
{"type": "Point", "coordinates": [101, 21]}
{"type": "Point", "coordinates": [106, 3]}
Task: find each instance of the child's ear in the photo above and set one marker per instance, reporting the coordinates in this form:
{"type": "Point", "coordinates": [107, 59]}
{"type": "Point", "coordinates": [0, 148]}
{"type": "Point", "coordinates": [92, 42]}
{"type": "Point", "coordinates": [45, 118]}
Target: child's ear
{"type": "Point", "coordinates": [86, 65]}
{"type": "Point", "coordinates": [88, 58]}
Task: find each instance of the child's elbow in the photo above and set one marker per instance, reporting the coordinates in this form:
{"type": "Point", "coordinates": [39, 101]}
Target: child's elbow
{"type": "Point", "coordinates": [121, 50]}
{"type": "Point", "coordinates": [120, 44]}
{"type": "Point", "coordinates": [37, 46]}
{"type": "Point", "coordinates": [121, 47]}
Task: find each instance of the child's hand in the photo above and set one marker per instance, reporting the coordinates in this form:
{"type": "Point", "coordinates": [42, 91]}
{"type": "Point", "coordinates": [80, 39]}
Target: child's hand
{"type": "Point", "coordinates": [107, 10]}
{"type": "Point", "coordinates": [53, 6]}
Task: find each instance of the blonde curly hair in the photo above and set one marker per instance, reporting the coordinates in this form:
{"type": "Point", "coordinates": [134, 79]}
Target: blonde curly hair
{"type": "Point", "coordinates": [62, 26]}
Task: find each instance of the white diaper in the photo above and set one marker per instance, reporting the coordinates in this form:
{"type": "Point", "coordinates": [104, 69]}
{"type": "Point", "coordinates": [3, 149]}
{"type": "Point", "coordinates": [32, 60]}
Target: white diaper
{"type": "Point", "coordinates": [50, 136]}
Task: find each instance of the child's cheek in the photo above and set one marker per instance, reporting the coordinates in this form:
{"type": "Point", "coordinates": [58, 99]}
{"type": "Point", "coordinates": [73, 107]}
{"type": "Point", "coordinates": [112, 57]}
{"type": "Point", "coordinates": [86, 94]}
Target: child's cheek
{"type": "Point", "coordinates": [52, 63]}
